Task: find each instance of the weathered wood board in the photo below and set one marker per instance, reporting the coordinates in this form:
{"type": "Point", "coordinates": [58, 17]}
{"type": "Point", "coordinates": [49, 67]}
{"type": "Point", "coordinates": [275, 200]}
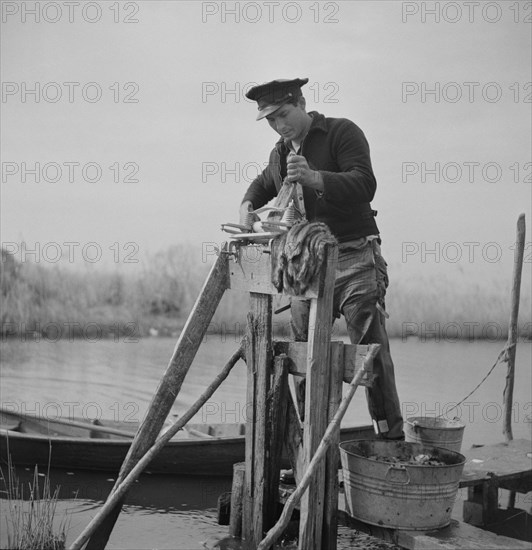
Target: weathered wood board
{"type": "Point", "coordinates": [352, 357]}
{"type": "Point", "coordinates": [457, 536]}
{"type": "Point", "coordinates": [501, 463]}
{"type": "Point", "coordinates": [316, 404]}
{"type": "Point", "coordinates": [251, 272]}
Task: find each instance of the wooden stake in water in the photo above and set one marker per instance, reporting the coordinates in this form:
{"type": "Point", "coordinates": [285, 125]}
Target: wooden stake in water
{"type": "Point", "coordinates": [513, 328]}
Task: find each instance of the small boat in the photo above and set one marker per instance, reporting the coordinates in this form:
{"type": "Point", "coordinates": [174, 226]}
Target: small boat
{"type": "Point", "coordinates": [199, 449]}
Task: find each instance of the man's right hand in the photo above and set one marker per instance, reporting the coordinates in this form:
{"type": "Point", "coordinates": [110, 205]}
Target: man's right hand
{"type": "Point", "coordinates": [245, 208]}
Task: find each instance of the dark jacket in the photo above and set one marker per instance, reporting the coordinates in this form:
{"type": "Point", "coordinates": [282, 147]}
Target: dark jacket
{"type": "Point", "coordinates": [338, 149]}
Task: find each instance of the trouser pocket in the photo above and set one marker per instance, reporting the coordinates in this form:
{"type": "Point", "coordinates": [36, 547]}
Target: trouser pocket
{"type": "Point", "coordinates": [381, 272]}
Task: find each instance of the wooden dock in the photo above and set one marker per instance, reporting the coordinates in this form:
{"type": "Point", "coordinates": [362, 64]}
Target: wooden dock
{"type": "Point", "coordinates": [488, 468]}
{"type": "Point", "coordinates": [457, 536]}
{"type": "Point", "coordinates": [492, 467]}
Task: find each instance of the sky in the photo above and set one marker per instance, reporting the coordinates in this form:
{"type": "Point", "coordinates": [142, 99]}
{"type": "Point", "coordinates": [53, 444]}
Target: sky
{"type": "Point", "coordinates": [142, 137]}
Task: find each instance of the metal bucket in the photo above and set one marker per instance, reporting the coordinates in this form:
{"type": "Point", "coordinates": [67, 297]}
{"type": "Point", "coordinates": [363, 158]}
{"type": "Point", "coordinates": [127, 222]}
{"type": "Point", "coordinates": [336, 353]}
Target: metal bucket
{"type": "Point", "coordinates": [397, 495]}
{"type": "Point", "coordinates": [435, 432]}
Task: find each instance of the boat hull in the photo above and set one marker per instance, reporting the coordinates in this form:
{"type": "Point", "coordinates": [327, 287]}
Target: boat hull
{"type": "Point", "coordinates": [203, 457]}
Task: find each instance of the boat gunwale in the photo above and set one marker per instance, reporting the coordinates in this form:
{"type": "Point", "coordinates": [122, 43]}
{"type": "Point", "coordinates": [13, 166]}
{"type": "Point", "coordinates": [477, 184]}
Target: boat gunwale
{"type": "Point", "coordinates": [112, 441]}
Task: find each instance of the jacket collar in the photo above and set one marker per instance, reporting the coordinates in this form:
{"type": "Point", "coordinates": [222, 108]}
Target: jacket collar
{"type": "Point", "coordinates": [318, 124]}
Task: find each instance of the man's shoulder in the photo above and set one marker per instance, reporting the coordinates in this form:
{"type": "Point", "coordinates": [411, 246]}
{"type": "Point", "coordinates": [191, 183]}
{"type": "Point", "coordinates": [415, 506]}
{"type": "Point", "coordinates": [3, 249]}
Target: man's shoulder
{"type": "Point", "coordinates": [334, 123]}
{"type": "Point", "coordinates": [343, 124]}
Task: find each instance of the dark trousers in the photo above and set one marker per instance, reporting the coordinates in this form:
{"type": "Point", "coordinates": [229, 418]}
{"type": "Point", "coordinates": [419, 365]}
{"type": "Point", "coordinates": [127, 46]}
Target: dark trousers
{"type": "Point", "coordinates": [360, 287]}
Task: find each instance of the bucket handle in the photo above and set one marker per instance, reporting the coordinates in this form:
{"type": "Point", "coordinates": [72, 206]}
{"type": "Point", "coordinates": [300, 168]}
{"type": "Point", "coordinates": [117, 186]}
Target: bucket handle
{"type": "Point", "coordinates": [404, 473]}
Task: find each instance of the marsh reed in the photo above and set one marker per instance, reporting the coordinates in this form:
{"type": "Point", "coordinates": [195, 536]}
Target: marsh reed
{"type": "Point", "coordinates": [157, 297]}
{"type": "Point", "coordinates": [30, 514]}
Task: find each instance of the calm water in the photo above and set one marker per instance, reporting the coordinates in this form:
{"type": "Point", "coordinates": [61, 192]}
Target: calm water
{"type": "Point", "coordinates": [116, 380]}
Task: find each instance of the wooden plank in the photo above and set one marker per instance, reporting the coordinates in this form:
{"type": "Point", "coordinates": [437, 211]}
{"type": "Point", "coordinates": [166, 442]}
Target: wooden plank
{"type": "Point", "coordinates": [170, 384]}
{"type": "Point", "coordinates": [247, 511]}
{"type": "Point", "coordinates": [259, 371]}
{"type": "Point", "coordinates": [316, 398]}
{"type": "Point", "coordinates": [457, 536]}
{"type": "Point", "coordinates": [330, 512]}
{"type": "Point", "coordinates": [252, 272]}
{"type": "Point", "coordinates": [504, 461]}
{"type": "Point", "coordinates": [237, 493]}
{"type": "Point", "coordinates": [261, 308]}
{"type": "Point", "coordinates": [277, 406]}
{"type": "Point", "coordinates": [354, 357]}
{"type": "Point", "coordinates": [294, 439]}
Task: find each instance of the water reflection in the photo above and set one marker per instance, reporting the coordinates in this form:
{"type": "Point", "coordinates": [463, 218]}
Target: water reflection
{"type": "Point", "coordinates": [117, 380]}
{"type": "Point", "coordinates": [163, 511]}
{"type": "Point", "coordinates": [150, 493]}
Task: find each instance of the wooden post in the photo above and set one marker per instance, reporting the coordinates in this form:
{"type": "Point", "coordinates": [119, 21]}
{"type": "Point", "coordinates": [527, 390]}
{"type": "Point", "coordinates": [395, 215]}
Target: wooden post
{"type": "Point", "coordinates": [513, 330]}
{"type": "Point", "coordinates": [316, 402]}
{"type": "Point", "coordinates": [294, 439]}
{"type": "Point", "coordinates": [274, 533]}
{"type": "Point", "coordinates": [330, 512]}
{"type": "Point", "coordinates": [480, 508]}
{"type": "Point", "coordinates": [259, 362]}
{"type": "Point", "coordinates": [237, 492]}
{"type": "Point", "coordinates": [169, 386]}
{"type": "Point", "coordinates": [277, 407]}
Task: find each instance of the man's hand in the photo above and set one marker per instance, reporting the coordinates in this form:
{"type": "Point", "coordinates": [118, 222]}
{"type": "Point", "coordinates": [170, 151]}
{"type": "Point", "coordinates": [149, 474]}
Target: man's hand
{"type": "Point", "coordinates": [245, 208]}
{"type": "Point", "coordinates": [299, 171]}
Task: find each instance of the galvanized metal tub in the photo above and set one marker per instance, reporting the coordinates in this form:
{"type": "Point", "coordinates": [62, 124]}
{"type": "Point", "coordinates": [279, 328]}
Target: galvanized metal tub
{"type": "Point", "coordinates": [435, 432]}
{"type": "Point", "coordinates": [397, 495]}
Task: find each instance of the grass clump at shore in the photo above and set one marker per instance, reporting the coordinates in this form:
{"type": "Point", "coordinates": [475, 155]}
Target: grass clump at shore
{"type": "Point", "coordinates": [31, 513]}
{"type": "Point", "coordinates": [56, 302]}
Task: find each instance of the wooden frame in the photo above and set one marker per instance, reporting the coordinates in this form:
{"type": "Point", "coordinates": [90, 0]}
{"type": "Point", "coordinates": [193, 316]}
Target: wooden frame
{"type": "Point", "coordinates": [325, 364]}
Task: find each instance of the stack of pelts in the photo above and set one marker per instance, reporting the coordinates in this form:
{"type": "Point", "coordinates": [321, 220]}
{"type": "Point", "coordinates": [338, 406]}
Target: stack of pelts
{"type": "Point", "coordinates": [298, 255]}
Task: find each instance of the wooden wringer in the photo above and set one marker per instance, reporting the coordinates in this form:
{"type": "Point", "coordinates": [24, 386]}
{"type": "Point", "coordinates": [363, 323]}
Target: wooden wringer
{"type": "Point", "coordinates": [272, 420]}
{"type": "Point", "coordinates": [288, 209]}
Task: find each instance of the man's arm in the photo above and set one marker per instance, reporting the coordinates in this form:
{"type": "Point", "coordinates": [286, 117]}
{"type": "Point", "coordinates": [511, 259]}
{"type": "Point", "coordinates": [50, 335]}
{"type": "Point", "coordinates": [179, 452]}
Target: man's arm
{"type": "Point", "coordinates": [355, 181]}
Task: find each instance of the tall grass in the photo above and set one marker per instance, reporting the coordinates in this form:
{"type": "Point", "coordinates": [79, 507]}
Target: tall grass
{"type": "Point", "coordinates": [47, 299]}
{"type": "Point", "coordinates": [477, 308]}
{"type": "Point", "coordinates": [157, 299]}
{"type": "Point", "coordinates": [31, 515]}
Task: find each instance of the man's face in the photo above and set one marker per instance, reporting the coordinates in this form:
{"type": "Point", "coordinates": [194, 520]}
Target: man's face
{"type": "Point", "coordinates": [290, 121]}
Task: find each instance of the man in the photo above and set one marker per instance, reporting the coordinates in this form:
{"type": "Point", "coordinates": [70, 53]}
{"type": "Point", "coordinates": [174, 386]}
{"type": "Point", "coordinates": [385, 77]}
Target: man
{"type": "Point", "coordinates": [330, 158]}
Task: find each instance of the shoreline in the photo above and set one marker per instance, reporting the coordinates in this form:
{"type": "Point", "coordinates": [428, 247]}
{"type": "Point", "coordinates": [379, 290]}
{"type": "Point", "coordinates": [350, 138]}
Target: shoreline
{"type": "Point", "coordinates": [130, 333]}
{"type": "Point", "coordinates": [55, 304]}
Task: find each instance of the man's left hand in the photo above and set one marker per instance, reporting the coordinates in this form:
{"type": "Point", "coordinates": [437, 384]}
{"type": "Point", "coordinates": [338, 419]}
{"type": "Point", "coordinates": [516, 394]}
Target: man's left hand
{"type": "Point", "coordinates": [299, 171]}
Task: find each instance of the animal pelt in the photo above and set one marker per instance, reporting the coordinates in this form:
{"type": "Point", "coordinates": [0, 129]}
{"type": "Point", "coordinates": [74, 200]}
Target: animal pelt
{"type": "Point", "coordinates": [298, 255]}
